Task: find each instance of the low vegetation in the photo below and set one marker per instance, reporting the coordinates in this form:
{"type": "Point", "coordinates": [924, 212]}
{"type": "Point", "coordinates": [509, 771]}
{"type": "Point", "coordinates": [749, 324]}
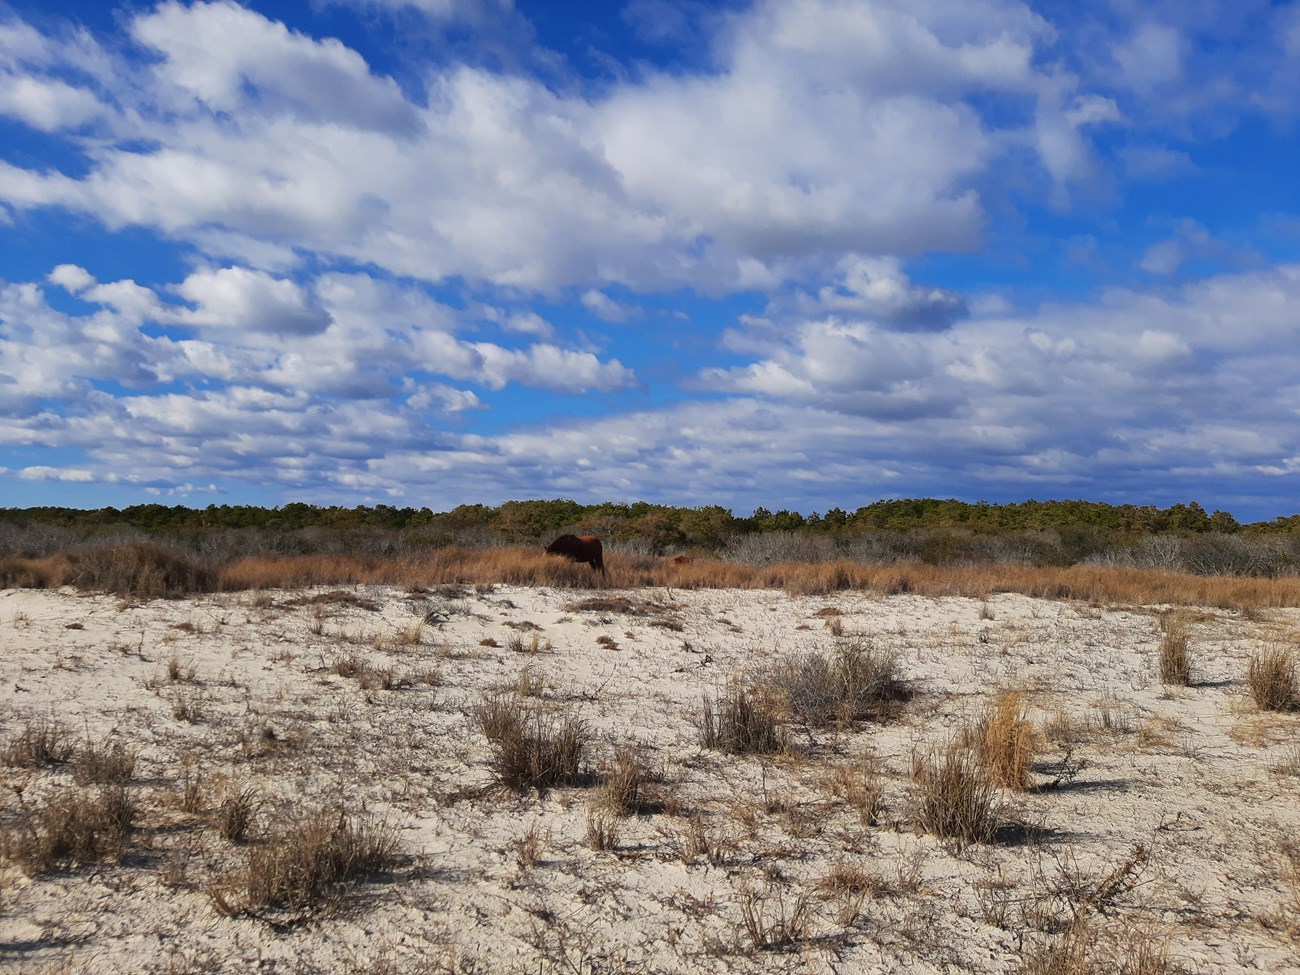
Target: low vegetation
{"type": "Point", "coordinates": [741, 721]}
{"type": "Point", "coordinates": [1271, 675]}
{"type": "Point", "coordinates": [531, 747]}
{"type": "Point", "coordinates": [306, 861]}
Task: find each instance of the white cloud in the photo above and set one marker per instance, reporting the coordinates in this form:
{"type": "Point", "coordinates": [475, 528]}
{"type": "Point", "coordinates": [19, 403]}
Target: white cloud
{"type": "Point", "coordinates": [46, 103]}
{"type": "Point", "coordinates": [252, 301]}
{"type": "Point", "coordinates": [604, 307]}
{"type": "Point", "coordinates": [879, 289]}
{"type": "Point", "coordinates": [261, 143]}
{"type": "Point", "coordinates": [232, 60]}
{"type": "Point", "coordinates": [71, 277]}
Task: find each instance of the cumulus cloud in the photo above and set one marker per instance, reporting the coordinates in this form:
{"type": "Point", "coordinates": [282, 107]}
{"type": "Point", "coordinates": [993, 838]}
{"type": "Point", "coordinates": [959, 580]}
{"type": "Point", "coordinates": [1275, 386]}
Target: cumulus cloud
{"type": "Point", "coordinates": [879, 289]}
{"type": "Point", "coordinates": [253, 301]}
{"type": "Point", "coordinates": [796, 146]}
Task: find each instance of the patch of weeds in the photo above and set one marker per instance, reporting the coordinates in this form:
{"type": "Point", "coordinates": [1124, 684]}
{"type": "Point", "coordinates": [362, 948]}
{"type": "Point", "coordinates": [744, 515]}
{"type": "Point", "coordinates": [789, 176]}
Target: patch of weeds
{"type": "Point", "coordinates": [856, 683]}
{"type": "Point", "coordinates": [424, 676]}
{"type": "Point", "coordinates": [335, 597]}
{"type": "Point", "coordinates": [1085, 950]}
{"type": "Point", "coordinates": [305, 862]}
{"type": "Point", "coordinates": [1175, 661]}
{"type": "Point", "coordinates": [1288, 763]}
{"type": "Point", "coordinates": [774, 924]}
{"type": "Point", "coordinates": [859, 784]}
{"type": "Point", "coordinates": [1115, 716]}
{"type": "Point", "coordinates": [528, 848]}
{"type": "Point", "coordinates": [698, 842]}
{"type": "Point", "coordinates": [531, 748]}
{"type": "Point", "coordinates": [956, 798]}
{"type": "Point", "coordinates": [41, 742]}
{"type": "Point", "coordinates": [602, 832]}
{"type": "Point", "coordinates": [1271, 676]}
{"type": "Point", "coordinates": [1004, 740]}
{"type": "Point", "coordinates": [103, 763]}
{"type": "Point", "coordinates": [189, 705]}
{"type": "Point", "coordinates": [234, 817]}
{"type": "Point", "coordinates": [626, 784]}
{"type": "Point", "coordinates": [70, 828]}
{"type": "Point", "coordinates": [740, 722]}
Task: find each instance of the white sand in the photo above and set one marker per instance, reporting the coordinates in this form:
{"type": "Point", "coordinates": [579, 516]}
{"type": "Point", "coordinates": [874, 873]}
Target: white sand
{"type": "Point", "coordinates": [1190, 774]}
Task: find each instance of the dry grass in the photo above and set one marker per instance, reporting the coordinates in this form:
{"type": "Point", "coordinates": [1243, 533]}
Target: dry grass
{"type": "Point", "coordinates": [955, 798]}
{"type": "Point", "coordinates": [741, 721]}
{"type": "Point", "coordinates": [103, 763]}
{"type": "Point", "coordinates": [774, 923]}
{"type": "Point", "coordinates": [307, 861]}
{"type": "Point", "coordinates": [626, 784]}
{"type": "Point", "coordinates": [70, 828]}
{"type": "Point", "coordinates": [1084, 950]}
{"type": "Point", "coordinates": [856, 683]}
{"type": "Point", "coordinates": [41, 742]}
{"type": "Point", "coordinates": [145, 570]}
{"type": "Point", "coordinates": [1004, 741]}
{"type": "Point", "coordinates": [531, 748]}
{"type": "Point", "coordinates": [1271, 676]}
{"type": "Point", "coordinates": [234, 816]}
{"type": "Point", "coordinates": [1175, 662]}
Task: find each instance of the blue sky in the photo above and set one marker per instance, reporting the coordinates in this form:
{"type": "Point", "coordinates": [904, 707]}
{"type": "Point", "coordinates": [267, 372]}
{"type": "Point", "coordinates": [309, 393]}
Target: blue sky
{"type": "Point", "coordinates": [795, 254]}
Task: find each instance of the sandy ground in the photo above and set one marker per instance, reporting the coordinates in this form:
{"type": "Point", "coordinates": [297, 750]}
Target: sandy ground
{"type": "Point", "coordinates": [1169, 809]}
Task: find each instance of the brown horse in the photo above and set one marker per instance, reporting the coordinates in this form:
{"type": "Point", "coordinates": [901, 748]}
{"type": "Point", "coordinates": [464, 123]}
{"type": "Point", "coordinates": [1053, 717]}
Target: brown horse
{"type": "Point", "coordinates": [579, 548]}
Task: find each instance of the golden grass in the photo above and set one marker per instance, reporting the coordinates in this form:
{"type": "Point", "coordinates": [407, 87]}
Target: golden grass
{"type": "Point", "coordinates": [1005, 741]}
{"type": "Point", "coordinates": [152, 571]}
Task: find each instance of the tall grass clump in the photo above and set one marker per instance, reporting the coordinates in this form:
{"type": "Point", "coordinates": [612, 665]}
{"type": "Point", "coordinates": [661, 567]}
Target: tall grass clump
{"type": "Point", "coordinates": [1175, 662]}
{"type": "Point", "coordinates": [308, 860]}
{"type": "Point", "coordinates": [1004, 741]}
{"type": "Point", "coordinates": [741, 721]}
{"type": "Point", "coordinates": [41, 742]}
{"type": "Point", "coordinates": [70, 828]}
{"type": "Point", "coordinates": [531, 748]}
{"type": "Point", "coordinates": [955, 798]}
{"type": "Point", "coordinates": [1271, 676]}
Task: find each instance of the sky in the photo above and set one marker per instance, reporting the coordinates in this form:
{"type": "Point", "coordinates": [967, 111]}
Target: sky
{"type": "Point", "coordinates": [799, 254]}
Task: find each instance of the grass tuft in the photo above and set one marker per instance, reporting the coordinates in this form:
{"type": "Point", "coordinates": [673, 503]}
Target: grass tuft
{"type": "Point", "coordinates": [1004, 741]}
{"type": "Point", "coordinates": [1272, 679]}
{"type": "Point", "coordinates": [42, 742]}
{"type": "Point", "coordinates": [956, 795]}
{"type": "Point", "coordinates": [307, 861]}
{"type": "Point", "coordinates": [1175, 662]}
{"type": "Point", "coordinates": [70, 828]}
{"type": "Point", "coordinates": [532, 749]}
{"type": "Point", "coordinates": [741, 722]}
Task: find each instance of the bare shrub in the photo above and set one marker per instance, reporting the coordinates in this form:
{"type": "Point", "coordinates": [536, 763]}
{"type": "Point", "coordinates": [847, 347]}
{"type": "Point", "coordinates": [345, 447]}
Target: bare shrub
{"type": "Point", "coordinates": [1271, 676]}
{"type": "Point", "coordinates": [956, 795]}
{"type": "Point", "coordinates": [739, 722]}
{"type": "Point", "coordinates": [41, 742]}
{"type": "Point", "coordinates": [70, 828]}
{"type": "Point", "coordinates": [138, 569]}
{"type": "Point", "coordinates": [856, 683]}
{"type": "Point", "coordinates": [1004, 740]}
{"type": "Point", "coordinates": [532, 749]}
{"type": "Point", "coordinates": [1175, 663]}
{"type": "Point", "coordinates": [106, 763]}
{"type": "Point", "coordinates": [306, 861]}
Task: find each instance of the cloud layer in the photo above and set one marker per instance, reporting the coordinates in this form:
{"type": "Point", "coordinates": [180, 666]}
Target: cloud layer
{"type": "Point", "coordinates": [827, 261]}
